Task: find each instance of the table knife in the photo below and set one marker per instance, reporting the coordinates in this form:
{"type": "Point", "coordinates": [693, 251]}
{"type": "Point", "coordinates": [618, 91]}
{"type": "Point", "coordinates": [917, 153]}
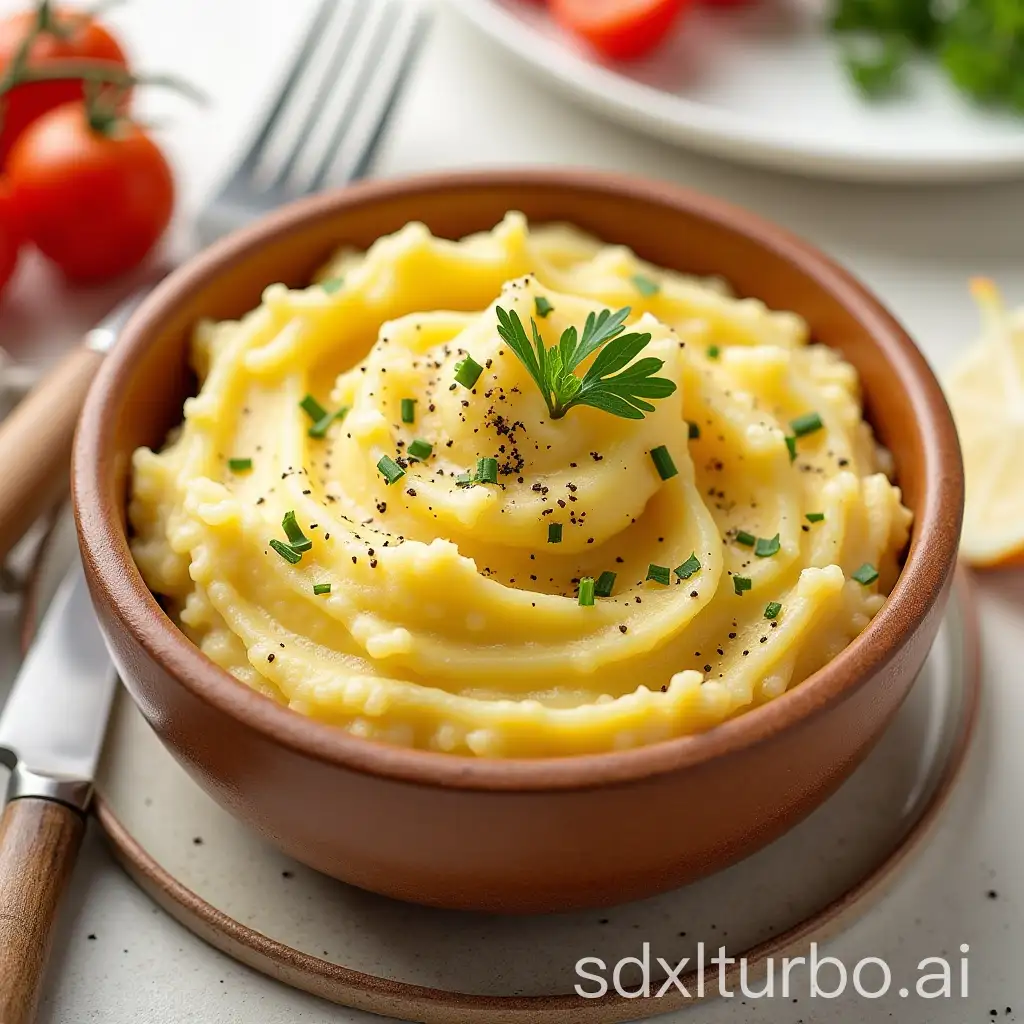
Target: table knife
{"type": "Point", "coordinates": [51, 734]}
{"type": "Point", "coordinates": [35, 439]}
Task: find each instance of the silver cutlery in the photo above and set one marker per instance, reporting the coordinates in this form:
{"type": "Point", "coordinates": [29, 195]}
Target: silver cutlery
{"type": "Point", "coordinates": [51, 734]}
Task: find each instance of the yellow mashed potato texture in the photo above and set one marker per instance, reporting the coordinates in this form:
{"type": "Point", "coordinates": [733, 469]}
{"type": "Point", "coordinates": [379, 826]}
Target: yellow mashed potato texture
{"type": "Point", "coordinates": [451, 621]}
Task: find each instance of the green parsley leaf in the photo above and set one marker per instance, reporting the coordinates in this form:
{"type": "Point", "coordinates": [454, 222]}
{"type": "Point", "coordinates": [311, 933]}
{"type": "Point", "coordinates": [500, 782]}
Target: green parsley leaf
{"type": "Point", "coordinates": [814, 517]}
{"type": "Point", "coordinates": [604, 584]}
{"type": "Point", "coordinates": [772, 609]}
{"type": "Point", "coordinates": [741, 583]}
{"type": "Point", "coordinates": [543, 307]}
{"type": "Point", "coordinates": [766, 548]}
{"type": "Point", "coordinates": [613, 383]}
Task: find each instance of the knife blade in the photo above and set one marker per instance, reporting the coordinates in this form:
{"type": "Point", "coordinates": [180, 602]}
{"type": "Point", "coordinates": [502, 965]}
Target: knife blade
{"type": "Point", "coordinates": [56, 715]}
{"type": "Point", "coordinates": [51, 729]}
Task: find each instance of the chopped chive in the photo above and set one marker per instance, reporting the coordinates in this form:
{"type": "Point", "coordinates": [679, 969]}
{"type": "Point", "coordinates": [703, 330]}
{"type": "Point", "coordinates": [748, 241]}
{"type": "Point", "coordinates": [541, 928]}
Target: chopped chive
{"type": "Point", "coordinates": [408, 410]}
{"type": "Point", "coordinates": [605, 582]}
{"type": "Point", "coordinates": [688, 568]}
{"type": "Point", "coordinates": [694, 430]}
{"type": "Point", "coordinates": [747, 539]}
{"type": "Point", "coordinates": [741, 583]}
{"type": "Point", "coordinates": [420, 449]}
{"type": "Point", "coordinates": [389, 469]}
{"type": "Point", "coordinates": [487, 470]}
{"type": "Point", "coordinates": [814, 517]}
{"type": "Point", "coordinates": [663, 462]}
{"type": "Point", "coordinates": [791, 445]}
{"type": "Point", "coordinates": [806, 424]}
{"type": "Point", "coordinates": [765, 548]}
{"type": "Point", "coordinates": [313, 409]}
{"type": "Point", "coordinates": [714, 351]}
{"type": "Point", "coordinates": [297, 540]}
{"type": "Point", "coordinates": [332, 284]}
{"type": "Point", "coordinates": [321, 588]}
{"type": "Point", "coordinates": [542, 306]}
{"type": "Point", "coordinates": [239, 465]}
{"type": "Point", "coordinates": [319, 429]}
{"type": "Point", "coordinates": [866, 574]}
{"type": "Point", "coordinates": [586, 591]}
{"type": "Point", "coordinates": [467, 372]}
{"type": "Point", "coordinates": [645, 286]}
{"type": "Point", "coordinates": [287, 553]}
{"type": "Point", "coordinates": [658, 573]}
{"type": "Point", "coordinates": [554, 533]}
{"type": "Point", "coordinates": [464, 480]}
{"type": "Point", "coordinates": [772, 609]}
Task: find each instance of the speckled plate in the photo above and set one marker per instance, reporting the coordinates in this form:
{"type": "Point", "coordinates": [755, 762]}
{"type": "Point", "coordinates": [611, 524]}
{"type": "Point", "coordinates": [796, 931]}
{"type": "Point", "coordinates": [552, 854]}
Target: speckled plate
{"type": "Point", "coordinates": [352, 947]}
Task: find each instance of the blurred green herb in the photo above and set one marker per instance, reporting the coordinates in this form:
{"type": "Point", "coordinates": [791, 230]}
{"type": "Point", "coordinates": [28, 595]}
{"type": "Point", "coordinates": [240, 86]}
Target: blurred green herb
{"type": "Point", "coordinates": [979, 44]}
{"type": "Point", "coordinates": [875, 68]}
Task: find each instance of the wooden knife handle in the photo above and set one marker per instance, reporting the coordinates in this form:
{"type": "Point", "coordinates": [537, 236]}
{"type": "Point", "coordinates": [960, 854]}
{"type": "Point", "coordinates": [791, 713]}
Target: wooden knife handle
{"type": "Point", "coordinates": [35, 445]}
{"type": "Point", "coordinates": [39, 840]}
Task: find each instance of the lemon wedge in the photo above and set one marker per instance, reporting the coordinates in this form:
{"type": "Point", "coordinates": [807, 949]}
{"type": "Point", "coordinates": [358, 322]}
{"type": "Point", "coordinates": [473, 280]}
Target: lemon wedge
{"type": "Point", "coordinates": [985, 389]}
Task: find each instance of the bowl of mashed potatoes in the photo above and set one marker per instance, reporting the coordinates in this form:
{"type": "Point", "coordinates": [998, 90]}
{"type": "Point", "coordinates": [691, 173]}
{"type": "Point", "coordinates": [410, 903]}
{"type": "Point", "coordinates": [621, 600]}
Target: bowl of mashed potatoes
{"type": "Point", "coordinates": [517, 541]}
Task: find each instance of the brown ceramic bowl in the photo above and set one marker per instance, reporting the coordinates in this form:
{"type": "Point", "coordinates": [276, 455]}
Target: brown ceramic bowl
{"type": "Point", "coordinates": [502, 835]}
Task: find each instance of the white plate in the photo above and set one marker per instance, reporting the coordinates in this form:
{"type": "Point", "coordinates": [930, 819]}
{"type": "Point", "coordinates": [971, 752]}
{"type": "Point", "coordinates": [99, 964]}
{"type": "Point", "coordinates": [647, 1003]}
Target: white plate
{"type": "Point", "coordinates": [764, 84]}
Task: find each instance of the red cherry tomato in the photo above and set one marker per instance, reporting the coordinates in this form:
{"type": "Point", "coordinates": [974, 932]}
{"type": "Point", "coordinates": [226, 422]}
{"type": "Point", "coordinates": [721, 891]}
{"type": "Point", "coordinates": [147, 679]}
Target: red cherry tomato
{"type": "Point", "coordinates": [10, 236]}
{"type": "Point", "coordinates": [93, 201]}
{"type": "Point", "coordinates": [620, 29]}
{"type": "Point", "coordinates": [77, 36]}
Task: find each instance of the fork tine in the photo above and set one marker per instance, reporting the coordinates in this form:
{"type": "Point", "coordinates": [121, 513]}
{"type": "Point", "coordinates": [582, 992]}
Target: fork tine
{"type": "Point", "coordinates": [377, 83]}
{"type": "Point", "coordinates": [406, 57]}
{"type": "Point", "coordinates": [309, 44]}
{"type": "Point", "coordinates": [347, 36]}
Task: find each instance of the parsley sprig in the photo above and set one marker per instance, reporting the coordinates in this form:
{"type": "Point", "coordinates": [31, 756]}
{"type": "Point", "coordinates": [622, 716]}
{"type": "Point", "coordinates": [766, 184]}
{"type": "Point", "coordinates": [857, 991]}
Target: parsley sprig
{"type": "Point", "coordinates": [614, 383]}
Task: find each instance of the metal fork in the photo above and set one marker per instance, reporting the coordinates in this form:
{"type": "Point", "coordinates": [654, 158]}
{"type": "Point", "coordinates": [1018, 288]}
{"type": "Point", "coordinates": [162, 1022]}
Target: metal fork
{"type": "Point", "coordinates": [369, 46]}
{"type": "Point", "coordinates": [336, 99]}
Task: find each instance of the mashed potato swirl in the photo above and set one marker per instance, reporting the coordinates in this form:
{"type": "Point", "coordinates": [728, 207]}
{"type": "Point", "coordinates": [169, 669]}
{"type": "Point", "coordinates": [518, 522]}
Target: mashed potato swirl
{"type": "Point", "coordinates": [451, 622]}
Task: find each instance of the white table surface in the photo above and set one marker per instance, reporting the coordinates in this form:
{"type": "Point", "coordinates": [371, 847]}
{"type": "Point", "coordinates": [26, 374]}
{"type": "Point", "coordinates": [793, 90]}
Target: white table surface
{"type": "Point", "coordinates": [467, 105]}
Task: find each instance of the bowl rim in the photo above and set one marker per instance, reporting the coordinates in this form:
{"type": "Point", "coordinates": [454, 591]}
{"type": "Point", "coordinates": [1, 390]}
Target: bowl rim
{"type": "Point", "coordinates": [927, 571]}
